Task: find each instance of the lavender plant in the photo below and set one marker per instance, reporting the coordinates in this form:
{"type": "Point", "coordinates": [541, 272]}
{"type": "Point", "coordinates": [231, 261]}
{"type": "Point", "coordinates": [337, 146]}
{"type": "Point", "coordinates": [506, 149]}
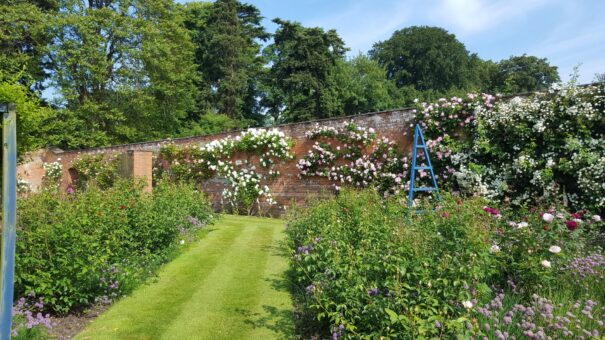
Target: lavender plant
{"type": "Point", "coordinates": [29, 319]}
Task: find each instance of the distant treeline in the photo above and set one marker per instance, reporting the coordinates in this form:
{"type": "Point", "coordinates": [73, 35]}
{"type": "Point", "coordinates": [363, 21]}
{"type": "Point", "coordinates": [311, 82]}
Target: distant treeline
{"type": "Point", "coordinates": [130, 70]}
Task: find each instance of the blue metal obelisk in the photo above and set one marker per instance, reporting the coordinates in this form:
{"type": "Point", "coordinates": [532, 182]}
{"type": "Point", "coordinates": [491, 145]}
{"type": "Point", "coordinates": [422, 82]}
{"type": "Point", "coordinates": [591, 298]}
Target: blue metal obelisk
{"type": "Point", "coordinates": [420, 145]}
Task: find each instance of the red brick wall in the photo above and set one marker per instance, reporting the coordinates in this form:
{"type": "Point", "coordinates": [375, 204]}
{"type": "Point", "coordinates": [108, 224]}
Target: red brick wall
{"type": "Point", "coordinates": [286, 188]}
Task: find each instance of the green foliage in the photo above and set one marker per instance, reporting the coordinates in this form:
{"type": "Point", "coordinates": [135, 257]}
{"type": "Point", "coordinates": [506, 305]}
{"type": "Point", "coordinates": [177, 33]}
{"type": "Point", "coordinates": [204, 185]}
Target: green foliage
{"type": "Point", "coordinates": [227, 34]}
{"type": "Point", "coordinates": [92, 246]}
{"type": "Point", "coordinates": [24, 333]}
{"type": "Point", "coordinates": [99, 169]}
{"type": "Point", "coordinates": [24, 38]}
{"type": "Point", "coordinates": [366, 267]}
{"type": "Point", "coordinates": [303, 61]}
{"type": "Point", "coordinates": [363, 87]}
{"type": "Point", "coordinates": [427, 58]}
{"type": "Point", "coordinates": [30, 113]}
{"type": "Point", "coordinates": [210, 123]}
{"type": "Point", "coordinates": [523, 74]}
{"type": "Point", "coordinates": [124, 70]}
{"type": "Point", "coordinates": [360, 264]}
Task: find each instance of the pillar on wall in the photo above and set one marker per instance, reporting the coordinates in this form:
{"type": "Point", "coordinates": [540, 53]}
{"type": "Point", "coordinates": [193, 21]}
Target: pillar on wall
{"type": "Point", "coordinates": [139, 165]}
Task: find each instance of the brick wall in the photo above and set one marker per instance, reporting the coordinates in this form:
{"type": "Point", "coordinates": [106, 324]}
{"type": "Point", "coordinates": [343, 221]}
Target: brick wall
{"type": "Point", "coordinates": [286, 189]}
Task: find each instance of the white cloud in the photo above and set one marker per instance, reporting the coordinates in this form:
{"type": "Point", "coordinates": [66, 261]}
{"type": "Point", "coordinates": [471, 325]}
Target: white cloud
{"type": "Point", "coordinates": [476, 16]}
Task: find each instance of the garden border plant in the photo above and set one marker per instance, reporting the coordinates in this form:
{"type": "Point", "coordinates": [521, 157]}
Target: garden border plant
{"type": "Point", "coordinates": [363, 270]}
{"type": "Point", "coordinates": [91, 246]}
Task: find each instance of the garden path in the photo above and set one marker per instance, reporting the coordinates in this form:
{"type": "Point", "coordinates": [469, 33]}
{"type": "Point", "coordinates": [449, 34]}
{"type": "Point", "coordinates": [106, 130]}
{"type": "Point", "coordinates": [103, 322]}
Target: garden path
{"type": "Point", "coordinates": [229, 285]}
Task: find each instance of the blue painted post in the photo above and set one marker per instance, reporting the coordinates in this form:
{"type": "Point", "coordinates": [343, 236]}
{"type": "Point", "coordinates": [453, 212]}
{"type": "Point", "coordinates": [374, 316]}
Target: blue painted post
{"type": "Point", "coordinates": [9, 216]}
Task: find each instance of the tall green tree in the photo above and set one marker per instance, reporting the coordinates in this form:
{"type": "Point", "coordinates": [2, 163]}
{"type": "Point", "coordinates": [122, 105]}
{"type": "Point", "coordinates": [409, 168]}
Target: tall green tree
{"type": "Point", "coordinates": [24, 37]}
{"type": "Point", "coordinates": [124, 68]}
{"type": "Point", "coordinates": [524, 74]}
{"type": "Point", "coordinates": [363, 87]}
{"type": "Point", "coordinates": [228, 36]}
{"type": "Point", "coordinates": [303, 63]}
{"type": "Point", "coordinates": [427, 58]}
{"type": "Point", "coordinates": [195, 20]}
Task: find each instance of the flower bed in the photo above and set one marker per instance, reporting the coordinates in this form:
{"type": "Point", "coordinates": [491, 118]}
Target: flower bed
{"type": "Point", "coordinates": [92, 246]}
{"type": "Point", "coordinates": [365, 270]}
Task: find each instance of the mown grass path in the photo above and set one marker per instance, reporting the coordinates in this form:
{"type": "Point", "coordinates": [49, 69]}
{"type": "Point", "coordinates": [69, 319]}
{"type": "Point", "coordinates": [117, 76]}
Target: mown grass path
{"type": "Point", "coordinates": [229, 285]}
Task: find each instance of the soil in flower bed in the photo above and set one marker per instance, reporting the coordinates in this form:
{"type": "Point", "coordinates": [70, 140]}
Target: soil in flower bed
{"type": "Point", "coordinates": [68, 326]}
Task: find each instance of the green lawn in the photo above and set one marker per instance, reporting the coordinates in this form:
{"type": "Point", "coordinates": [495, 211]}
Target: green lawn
{"type": "Point", "coordinates": [228, 285]}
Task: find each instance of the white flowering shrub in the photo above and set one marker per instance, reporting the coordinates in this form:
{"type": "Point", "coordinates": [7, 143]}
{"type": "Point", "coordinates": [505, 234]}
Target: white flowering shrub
{"type": "Point", "coordinates": [99, 168]}
{"type": "Point", "coordinates": [354, 156]}
{"type": "Point", "coordinates": [52, 172]}
{"type": "Point", "coordinates": [23, 186]}
{"type": "Point", "coordinates": [538, 149]}
{"type": "Point", "coordinates": [245, 161]}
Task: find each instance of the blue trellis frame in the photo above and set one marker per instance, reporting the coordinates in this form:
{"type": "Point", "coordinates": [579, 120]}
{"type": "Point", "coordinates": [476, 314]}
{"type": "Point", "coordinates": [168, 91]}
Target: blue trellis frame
{"type": "Point", "coordinates": [420, 144]}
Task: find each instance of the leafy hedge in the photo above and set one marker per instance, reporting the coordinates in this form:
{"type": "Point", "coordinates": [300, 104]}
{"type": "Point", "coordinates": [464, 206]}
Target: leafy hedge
{"type": "Point", "coordinates": [364, 268]}
{"type": "Point", "coordinates": [92, 246]}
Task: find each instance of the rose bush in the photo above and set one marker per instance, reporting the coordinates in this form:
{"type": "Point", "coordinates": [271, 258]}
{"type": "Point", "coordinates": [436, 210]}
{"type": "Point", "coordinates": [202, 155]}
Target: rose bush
{"type": "Point", "coordinates": [352, 155]}
{"type": "Point", "coordinates": [543, 148]}
{"type": "Point", "coordinates": [245, 162]}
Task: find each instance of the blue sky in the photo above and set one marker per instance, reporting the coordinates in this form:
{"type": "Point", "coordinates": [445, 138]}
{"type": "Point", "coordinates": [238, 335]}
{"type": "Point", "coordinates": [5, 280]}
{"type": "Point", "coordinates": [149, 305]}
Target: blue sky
{"type": "Point", "coordinates": [567, 32]}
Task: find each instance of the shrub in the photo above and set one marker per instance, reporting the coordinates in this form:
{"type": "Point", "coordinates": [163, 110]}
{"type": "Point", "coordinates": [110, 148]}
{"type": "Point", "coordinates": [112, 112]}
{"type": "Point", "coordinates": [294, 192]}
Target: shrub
{"type": "Point", "coordinates": [536, 246]}
{"type": "Point", "coordinates": [364, 269]}
{"type": "Point", "coordinates": [103, 171]}
{"type": "Point", "coordinates": [244, 161]}
{"type": "Point", "coordinates": [540, 149]}
{"type": "Point", "coordinates": [93, 245]}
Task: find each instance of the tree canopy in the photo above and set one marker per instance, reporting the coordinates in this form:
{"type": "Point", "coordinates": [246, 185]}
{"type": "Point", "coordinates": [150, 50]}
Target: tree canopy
{"type": "Point", "coordinates": [427, 58]}
{"type": "Point", "coordinates": [303, 62]}
{"type": "Point", "coordinates": [99, 72]}
{"type": "Point", "coordinates": [523, 74]}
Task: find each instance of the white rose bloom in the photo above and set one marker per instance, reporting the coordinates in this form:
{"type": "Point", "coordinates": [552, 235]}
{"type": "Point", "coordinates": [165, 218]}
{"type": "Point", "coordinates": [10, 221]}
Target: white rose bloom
{"type": "Point", "coordinates": [494, 248]}
{"type": "Point", "coordinates": [545, 263]}
{"type": "Point", "coordinates": [522, 224]}
{"type": "Point", "coordinates": [548, 217]}
{"type": "Point", "coordinates": [596, 218]}
{"type": "Point", "coordinates": [467, 304]}
{"type": "Point", "coordinates": [554, 249]}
